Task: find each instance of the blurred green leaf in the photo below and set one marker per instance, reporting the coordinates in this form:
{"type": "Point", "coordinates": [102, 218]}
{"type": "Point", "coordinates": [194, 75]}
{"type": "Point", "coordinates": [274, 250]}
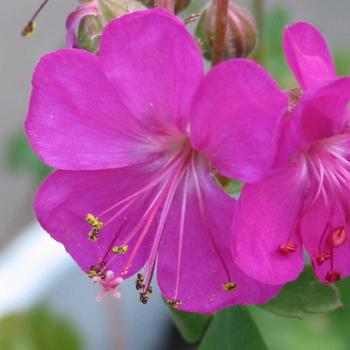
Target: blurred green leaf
{"type": "Point", "coordinates": [38, 329]}
{"type": "Point", "coordinates": [21, 158]}
{"type": "Point", "coordinates": [342, 61]}
{"type": "Point", "coordinates": [191, 326]}
{"type": "Point", "coordinates": [305, 295]}
{"type": "Point", "coordinates": [233, 329]}
{"type": "Point", "coordinates": [273, 56]}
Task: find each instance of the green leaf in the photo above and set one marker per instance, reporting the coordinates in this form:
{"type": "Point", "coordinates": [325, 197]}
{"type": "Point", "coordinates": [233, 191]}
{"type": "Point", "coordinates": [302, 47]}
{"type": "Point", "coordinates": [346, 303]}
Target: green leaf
{"type": "Point", "coordinates": [233, 329]}
{"type": "Point", "coordinates": [191, 326]}
{"type": "Point", "coordinates": [21, 158]}
{"type": "Point", "coordinates": [38, 329]}
{"type": "Point", "coordinates": [305, 295]}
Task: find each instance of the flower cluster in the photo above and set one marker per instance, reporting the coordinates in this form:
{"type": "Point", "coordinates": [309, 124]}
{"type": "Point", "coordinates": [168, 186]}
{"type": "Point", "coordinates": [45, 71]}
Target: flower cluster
{"type": "Point", "coordinates": [140, 137]}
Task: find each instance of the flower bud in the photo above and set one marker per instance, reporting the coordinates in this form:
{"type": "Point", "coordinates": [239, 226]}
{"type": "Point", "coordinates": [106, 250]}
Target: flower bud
{"type": "Point", "coordinates": [241, 34]}
{"type": "Point", "coordinates": [85, 25]}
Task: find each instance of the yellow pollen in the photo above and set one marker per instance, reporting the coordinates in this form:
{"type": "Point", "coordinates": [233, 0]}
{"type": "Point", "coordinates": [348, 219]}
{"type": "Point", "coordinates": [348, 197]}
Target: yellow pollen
{"type": "Point", "coordinates": [229, 286]}
{"type": "Point", "coordinates": [96, 270]}
{"type": "Point", "coordinates": [96, 225]}
{"type": "Point", "coordinates": [174, 303]}
{"type": "Point", "coordinates": [121, 249]}
{"type": "Point", "coordinates": [94, 222]}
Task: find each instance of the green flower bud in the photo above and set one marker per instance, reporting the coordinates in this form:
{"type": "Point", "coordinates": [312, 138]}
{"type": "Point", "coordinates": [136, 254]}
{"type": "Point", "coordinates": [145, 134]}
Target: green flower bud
{"type": "Point", "coordinates": [241, 34]}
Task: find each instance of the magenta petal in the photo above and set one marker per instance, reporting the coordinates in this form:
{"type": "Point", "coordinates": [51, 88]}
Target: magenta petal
{"type": "Point", "coordinates": [308, 55]}
{"type": "Point", "coordinates": [192, 261]}
{"type": "Point", "coordinates": [323, 111]}
{"type": "Point", "coordinates": [266, 222]}
{"type": "Point", "coordinates": [156, 64]}
{"type": "Point", "coordinates": [76, 119]}
{"type": "Point", "coordinates": [66, 197]}
{"type": "Point", "coordinates": [235, 119]}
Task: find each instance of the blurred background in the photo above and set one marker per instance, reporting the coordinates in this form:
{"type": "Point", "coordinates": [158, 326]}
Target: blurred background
{"type": "Point", "coordinates": [45, 302]}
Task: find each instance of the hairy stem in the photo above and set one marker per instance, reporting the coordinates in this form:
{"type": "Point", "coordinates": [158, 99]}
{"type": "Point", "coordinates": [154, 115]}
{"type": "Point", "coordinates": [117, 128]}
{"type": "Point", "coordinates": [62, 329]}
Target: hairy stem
{"type": "Point", "coordinates": [167, 4]}
{"type": "Point", "coordinates": [220, 31]}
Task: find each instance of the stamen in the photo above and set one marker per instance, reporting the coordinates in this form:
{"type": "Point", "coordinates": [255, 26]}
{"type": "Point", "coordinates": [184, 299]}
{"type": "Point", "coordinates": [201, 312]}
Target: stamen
{"type": "Point", "coordinates": [144, 296]}
{"type": "Point", "coordinates": [287, 248]}
{"type": "Point", "coordinates": [205, 222]}
{"type": "Point", "coordinates": [30, 27]}
{"type": "Point", "coordinates": [181, 234]}
{"type": "Point", "coordinates": [338, 237]}
{"type": "Point", "coordinates": [322, 257]}
{"type": "Point", "coordinates": [120, 250]}
{"type": "Point", "coordinates": [166, 208]}
{"type": "Point", "coordinates": [96, 270]}
{"type": "Point", "coordinates": [229, 286]}
{"type": "Point", "coordinates": [174, 303]}
{"type": "Point", "coordinates": [96, 225]}
{"type": "Point", "coordinates": [333, 276]}
{"type": "Point", "coordinates": [139, 281]}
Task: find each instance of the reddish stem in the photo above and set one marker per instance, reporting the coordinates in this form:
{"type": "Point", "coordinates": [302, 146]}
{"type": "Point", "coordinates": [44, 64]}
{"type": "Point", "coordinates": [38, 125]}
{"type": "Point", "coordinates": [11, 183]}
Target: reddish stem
{"type": "Point", "coordinates": [167, 4]}
{"type": "Point", "coordinates": [220, 31]}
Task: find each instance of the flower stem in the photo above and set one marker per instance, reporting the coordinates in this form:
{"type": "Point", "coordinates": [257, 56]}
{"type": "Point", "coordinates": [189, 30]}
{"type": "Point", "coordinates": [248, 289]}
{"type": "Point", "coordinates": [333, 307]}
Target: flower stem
{"type": "Point", "coordinates": [167, 4]}
{"type": "Point", "coordinates": [220, 31]}
{"type": "Point", "coordinates": [258, 7]}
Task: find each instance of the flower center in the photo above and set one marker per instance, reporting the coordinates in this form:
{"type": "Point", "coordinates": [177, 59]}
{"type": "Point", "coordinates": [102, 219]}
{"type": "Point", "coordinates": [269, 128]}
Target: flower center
{"type": "Point", "coordinates": [329, 171]}
{"type": "Point", "coordinates": [181, 164]}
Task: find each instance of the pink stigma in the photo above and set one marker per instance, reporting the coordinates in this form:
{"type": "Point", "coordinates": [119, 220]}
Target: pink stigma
{"type": "Point", "coordinates": [109, 285]}
{"type": "Point", "coordinates": [333, 276]}
{"type": "Point", "coordinates": [338, 237]}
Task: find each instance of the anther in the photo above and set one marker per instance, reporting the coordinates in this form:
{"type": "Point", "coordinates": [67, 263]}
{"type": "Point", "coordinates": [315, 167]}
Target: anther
{"type": "Point", "coordinates": [139, 281]}
{"type": "Point", "coordinates": [288, 247]}
{"type": "Point", "coordinates": [144, 296]}
{"type": "Point", "coordinates": [120, 250]}
{"type": "Point", "coordinates": [338, 237]}
{"type": "Point", "coordinates": [96, 270]}
{"type": "Point", "coordinates": [322, 257]}
{"type": "Point", "coordinates": [30, 27]}
{"type": "Point", "coordinates": [333, 276]}
{"type": "Point", "coordinates": [96, 225]}
{"type": "Point", "coordinates": [174, 303]}
{"type": "Point", "coordinates": [229, 286]}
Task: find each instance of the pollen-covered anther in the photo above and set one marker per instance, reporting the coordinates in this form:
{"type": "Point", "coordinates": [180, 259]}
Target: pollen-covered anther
{"type": "Point", "coordinates": [96, 271]}
{"type": "Point", "coordinates": [29, 29]}
{"type": "Point", "coordinates": [322, 257]}
{"type": "Point", "coordinates": [120, 250]}
{"type": "Point", "coordinates": [96, 225]}
{"type": "Point", "coordinates": [229, 286]}
{"type": "Point", "coordinates": [338, 237]}
{"type": "Point", "coordinates": [333, 276]}
{"type": "Point", "coordinates": [139, 281]}
{"type": "Point", "coordinates": [288, 247]}
{"type": "Point", "coordinates": [174, 303]}
{"type": "Point", "coordinates": [144, 296]}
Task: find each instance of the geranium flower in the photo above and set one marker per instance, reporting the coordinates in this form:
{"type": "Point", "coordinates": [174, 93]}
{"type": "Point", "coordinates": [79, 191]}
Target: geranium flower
{"type": "Point", "coordinates": [137, 132]}
{"type": "Point", "coordinates": [306, 200]}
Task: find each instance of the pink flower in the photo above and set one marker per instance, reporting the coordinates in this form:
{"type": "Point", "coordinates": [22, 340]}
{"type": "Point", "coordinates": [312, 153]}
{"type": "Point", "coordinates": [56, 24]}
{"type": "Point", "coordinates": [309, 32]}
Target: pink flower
{"type": "Point", "coordinates": [306, 200]}
{"type": "Point", "coordinates": [137, 132]}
